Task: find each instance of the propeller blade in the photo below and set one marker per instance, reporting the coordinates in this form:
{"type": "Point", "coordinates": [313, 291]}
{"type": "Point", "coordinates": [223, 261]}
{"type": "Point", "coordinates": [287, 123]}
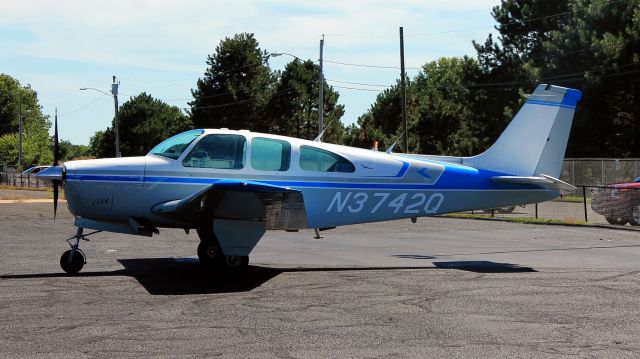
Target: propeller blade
{"type": "Point", "coordinates": [56, 145]}
{"type": "Point", "coordinates": [56, 158]}
{"type": "Point", "coordinates": [55, 198]}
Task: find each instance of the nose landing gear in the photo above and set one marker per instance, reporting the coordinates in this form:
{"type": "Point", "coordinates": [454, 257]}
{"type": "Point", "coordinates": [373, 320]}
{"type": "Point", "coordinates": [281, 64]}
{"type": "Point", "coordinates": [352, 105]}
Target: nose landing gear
{"type": "Point", "coordinates": [74, 259]}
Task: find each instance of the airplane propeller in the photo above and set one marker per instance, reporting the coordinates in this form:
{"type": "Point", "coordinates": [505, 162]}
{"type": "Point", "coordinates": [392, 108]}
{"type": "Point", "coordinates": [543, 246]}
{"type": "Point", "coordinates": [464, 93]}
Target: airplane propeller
{"type": "Point", "coordinates": [56, 158]}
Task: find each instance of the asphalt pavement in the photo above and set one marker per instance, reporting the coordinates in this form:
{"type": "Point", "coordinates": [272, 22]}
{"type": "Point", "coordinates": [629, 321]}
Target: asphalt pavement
{"type": "Point", "coordinates": [442, 287]}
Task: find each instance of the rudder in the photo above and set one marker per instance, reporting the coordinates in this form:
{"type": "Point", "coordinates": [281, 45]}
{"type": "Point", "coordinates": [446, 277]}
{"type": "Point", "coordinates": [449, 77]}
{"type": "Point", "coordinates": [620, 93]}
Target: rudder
{"type": "Point", "coordinates": [535, 141]}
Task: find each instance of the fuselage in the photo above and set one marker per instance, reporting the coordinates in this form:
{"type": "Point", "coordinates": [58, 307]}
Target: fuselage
{"type": "Point", "coordinates": [340, 185]}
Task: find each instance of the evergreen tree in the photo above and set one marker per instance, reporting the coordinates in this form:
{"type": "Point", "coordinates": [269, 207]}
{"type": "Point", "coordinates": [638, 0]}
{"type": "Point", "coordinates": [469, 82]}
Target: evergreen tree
{"type": "Point", "coordinates": [293, 107]}
{"type": "Point", "coordinates": [144, 122]}
{"type": "Point", "coordinates": [235, 88]}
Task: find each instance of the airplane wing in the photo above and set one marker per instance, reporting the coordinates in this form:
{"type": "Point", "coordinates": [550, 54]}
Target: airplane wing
{"type": "Point", "coordinates": [279, 207]}
{"type": "Point", "coordinates": [543, 181]}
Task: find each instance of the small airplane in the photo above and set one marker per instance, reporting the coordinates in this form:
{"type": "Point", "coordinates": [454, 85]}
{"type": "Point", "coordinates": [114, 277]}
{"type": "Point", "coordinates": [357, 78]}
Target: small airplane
{"type": "Point", "coordinates": [232, 186]}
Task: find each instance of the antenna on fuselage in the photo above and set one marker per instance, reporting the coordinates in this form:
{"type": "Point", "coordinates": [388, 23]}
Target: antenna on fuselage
{"type": "Point", "coordinates": [319, 138]}
{"type": "Point", "coordinates": [388, 150]}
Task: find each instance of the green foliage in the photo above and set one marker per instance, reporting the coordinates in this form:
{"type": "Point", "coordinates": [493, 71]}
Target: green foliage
{"type": "Point", "coordinates": [35, 136]}
{"type": "Point", "coordinates": [590, 45]}
{"type": "Point", "coordinates": [459, 106]}
{"type": "Point", "coordinates": [69, 151]}
{"type": "Point", "coordinates": [293, 107]}
{"type": "Point", "coordinates": [236, 87]}
{"type": "Point", "coordinates": [382, 123]}
{"type": "Point", "coordinates": [444, 114]}
{"type": "Point", "coordinates": [144, 122]}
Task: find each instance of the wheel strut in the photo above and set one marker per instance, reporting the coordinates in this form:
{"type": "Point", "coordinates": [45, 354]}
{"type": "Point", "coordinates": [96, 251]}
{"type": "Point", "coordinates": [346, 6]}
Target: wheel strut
{"type": "Point", "coordinates": [74, 259]}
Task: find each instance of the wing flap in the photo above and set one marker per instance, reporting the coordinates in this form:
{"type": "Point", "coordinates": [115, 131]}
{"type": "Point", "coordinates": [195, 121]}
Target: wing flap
{"type": "Point", "coordinates": [279, 207]}
{"type": "Point", "coordinates": [543, 181]}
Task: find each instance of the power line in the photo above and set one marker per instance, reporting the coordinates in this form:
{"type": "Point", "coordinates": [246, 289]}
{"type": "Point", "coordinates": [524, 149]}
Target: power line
{"type": "Point", "coordinates": [373, 66]}
{"type": "Point", "coordinates": [83, 107]}
{"type": "Point", "coordinates": [355, 88]}
{"type": "Point", "coordinates": [359, 83]}
{"type": "Point", "coordinates": [564, 13]}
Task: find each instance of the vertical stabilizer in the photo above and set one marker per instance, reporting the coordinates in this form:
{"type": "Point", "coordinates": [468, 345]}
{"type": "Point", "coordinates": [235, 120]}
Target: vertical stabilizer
{"type": "Point", "coordinates": [535, 141]}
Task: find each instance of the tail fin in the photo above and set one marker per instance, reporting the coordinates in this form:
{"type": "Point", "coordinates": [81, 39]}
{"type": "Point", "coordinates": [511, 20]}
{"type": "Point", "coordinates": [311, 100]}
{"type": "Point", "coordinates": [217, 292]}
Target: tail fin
{"type": "Point", "coordinates": [536, 139]}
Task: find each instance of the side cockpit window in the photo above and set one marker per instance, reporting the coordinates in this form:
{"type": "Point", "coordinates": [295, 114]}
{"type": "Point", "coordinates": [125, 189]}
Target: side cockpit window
{"type": "Point", "coordinates": [269, 154]}
{"type": "Point", "coordinates": [316, 159]}
{"type": "Point", "coordinates": [174, 146]}
{"type": "Point", "coordinates": [219, 151]}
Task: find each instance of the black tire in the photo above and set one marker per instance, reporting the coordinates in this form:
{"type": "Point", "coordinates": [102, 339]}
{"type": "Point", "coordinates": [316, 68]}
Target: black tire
{"type": "Point", "coordinates": [616, 221]}
{"type": "Point", "coordinates": [76, 265]}
{"type": "Point", "coordinates": [210, 253]}
{"type": "Point", "coordinates": [235, 263]}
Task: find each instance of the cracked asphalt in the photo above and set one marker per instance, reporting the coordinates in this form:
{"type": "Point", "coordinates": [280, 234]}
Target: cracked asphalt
{"type": "Point", "coordinates": [440, 288]}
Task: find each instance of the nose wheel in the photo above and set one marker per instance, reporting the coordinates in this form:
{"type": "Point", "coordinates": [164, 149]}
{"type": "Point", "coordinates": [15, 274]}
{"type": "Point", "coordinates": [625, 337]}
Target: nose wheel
{"type": "Point", "coordinates": [72, 262]}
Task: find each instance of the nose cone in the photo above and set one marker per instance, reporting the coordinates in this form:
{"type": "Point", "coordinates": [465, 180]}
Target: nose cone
{"type": "Point", "coordinates": [55, 173]}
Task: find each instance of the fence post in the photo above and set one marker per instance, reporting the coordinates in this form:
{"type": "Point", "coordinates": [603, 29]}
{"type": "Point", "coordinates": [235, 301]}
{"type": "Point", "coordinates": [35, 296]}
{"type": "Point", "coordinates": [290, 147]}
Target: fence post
{"type": "Point", "coordinates": [536, 211]}
{"type": "Point", "coordinates": [584, 201]}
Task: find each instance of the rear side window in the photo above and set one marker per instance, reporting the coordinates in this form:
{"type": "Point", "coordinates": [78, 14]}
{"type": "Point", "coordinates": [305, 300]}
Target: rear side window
{"type": "Point", "coordinates": [218, 151]}
{"type": "Point", "coordinates": [269, 154]}
{"type": "Point", "coordinates": [316, 159]}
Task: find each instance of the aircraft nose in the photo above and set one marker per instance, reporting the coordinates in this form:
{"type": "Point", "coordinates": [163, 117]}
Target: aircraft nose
{"type": "Point", "coordinates": [54, 173]}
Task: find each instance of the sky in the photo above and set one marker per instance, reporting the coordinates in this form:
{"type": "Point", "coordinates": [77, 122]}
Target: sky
{"type": "Point", "coordinates": [161, 46]}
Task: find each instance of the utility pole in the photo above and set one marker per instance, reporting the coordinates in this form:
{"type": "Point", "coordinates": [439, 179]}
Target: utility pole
{"type": "Point", "coordinates": [20, 134]}
{"type": "Point", "coordinates": [321, 94]}
{"type": "Point", "coordinates": [114, 92]}
{"type": "Point", "coordinates": [403, 93]}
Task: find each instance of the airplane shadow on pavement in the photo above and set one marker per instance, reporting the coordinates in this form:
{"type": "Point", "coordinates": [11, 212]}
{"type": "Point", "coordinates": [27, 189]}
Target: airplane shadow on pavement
{"type": "Point", "coordinates": [185, 276]}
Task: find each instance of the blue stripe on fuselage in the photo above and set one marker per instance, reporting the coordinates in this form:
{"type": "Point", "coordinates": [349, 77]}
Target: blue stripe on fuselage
{"type": "Point", "coordinates": [454, 177]}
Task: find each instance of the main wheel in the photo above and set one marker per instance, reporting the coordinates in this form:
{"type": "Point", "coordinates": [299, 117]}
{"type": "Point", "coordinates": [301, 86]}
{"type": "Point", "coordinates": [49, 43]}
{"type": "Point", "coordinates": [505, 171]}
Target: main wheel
{"type": "Point", "coordinates": [616, 220]}
{"type": "Point", "coordinates": [235, 263]}
{"type": "Point", "coordinates": [74, 266]}
{"type": "Point", "coordinates": [210, 253]}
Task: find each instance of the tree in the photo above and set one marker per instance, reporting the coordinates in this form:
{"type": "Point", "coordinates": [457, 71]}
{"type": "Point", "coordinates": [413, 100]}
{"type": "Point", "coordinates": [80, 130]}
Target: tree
{"type": "Point", "coordinates": [591, 45]}
{"type": "Point", "coordinates": [293, 107]}
{"type": "Point", "coordinates": [600, 47]}
{"type": "Point", "coordinates": [69, 151]}
{"type": "Point", "coordinates": [35, 135]}
{"type": "Point", "coordinates": [236, 87]}
{"type": "Point", "coordinates": [144, 122]}
{"type": "Point", "coordinates": [443, 112]}
{"type": "Point", "coordinates": [382, 123]}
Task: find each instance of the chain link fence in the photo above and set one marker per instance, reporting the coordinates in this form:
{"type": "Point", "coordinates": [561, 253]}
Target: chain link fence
{"type": "Point", "coordinates": [21, 180]}
{"type": "Point", "coordinates": [595, 201]}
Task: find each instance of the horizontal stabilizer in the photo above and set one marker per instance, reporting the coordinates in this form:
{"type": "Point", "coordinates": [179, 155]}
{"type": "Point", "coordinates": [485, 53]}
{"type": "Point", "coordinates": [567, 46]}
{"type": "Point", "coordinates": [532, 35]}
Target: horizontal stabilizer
{"type": "Point", "coordinates": [543, 181]}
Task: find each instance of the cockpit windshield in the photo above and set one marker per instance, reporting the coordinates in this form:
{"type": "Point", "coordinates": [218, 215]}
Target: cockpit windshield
{"type": "Point", "coordinates": [174, 146]}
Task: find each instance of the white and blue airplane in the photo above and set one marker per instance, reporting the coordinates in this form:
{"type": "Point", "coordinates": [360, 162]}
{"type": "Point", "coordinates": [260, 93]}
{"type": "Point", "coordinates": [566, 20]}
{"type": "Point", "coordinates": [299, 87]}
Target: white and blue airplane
{"type": "Point", "coordinates": [232, 186]}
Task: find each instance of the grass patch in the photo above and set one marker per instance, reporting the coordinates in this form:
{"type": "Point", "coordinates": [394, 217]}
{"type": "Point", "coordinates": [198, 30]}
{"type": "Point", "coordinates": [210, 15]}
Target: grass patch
{"type": "Point", "coordinates": [25, 193]}
{"type": "Point", "coordinates": [17, 188]}
{"type": "Point", "coordinates": [525, 220]}
{"type": "Point", "coordinates": [577, 199]}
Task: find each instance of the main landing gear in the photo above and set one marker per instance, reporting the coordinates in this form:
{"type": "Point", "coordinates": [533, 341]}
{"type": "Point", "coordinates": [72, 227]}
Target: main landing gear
{"type": "Point", "coordinates": [74, 259]}
{"type": "Point", "coordinates": [211, 255]}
